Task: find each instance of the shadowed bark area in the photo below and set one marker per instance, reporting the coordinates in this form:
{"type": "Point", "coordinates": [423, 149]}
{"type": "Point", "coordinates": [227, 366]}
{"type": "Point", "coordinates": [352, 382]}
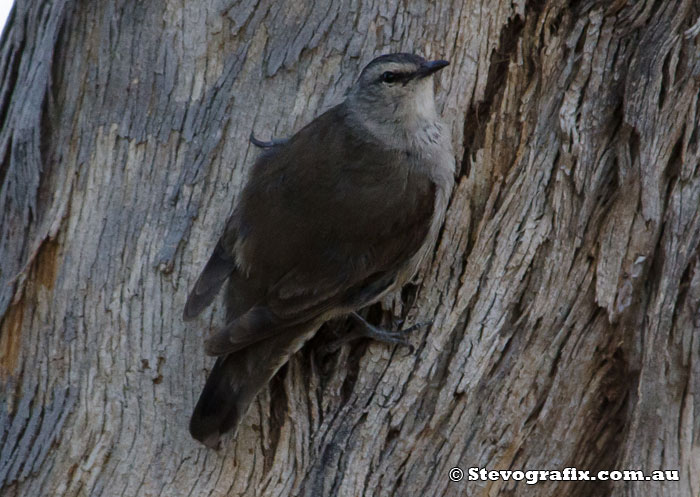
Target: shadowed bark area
{"type": "Point", "coordinates": [564, 289]}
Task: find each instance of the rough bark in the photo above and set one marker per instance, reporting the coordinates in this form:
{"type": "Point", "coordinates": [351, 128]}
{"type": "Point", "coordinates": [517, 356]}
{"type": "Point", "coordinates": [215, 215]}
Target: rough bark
{"type": "Point", "coordinates": [565, 287]}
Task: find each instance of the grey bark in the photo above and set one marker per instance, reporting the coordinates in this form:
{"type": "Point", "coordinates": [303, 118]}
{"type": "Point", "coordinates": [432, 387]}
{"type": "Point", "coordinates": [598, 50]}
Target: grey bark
{"type": "Point", "coordinates": [565, 287]}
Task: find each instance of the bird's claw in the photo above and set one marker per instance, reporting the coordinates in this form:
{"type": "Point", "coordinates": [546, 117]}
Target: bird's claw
{"type": "Point", "coordinates": [367, 330]}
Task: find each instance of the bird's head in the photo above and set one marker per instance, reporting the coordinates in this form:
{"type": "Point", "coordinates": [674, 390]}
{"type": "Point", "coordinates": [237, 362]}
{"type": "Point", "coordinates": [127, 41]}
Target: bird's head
{"type": "Point", "coordinates": [396, 88]}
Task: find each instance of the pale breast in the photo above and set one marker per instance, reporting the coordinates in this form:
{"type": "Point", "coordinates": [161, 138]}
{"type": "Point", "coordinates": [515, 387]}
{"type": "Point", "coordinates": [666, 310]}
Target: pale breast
{"type": "Point", "coordinates": [433, 154]}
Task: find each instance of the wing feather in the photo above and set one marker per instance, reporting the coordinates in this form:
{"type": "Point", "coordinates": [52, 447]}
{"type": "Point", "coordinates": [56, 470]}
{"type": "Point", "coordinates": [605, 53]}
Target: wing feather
{"type": "Point", "coordinates": [215, 272]}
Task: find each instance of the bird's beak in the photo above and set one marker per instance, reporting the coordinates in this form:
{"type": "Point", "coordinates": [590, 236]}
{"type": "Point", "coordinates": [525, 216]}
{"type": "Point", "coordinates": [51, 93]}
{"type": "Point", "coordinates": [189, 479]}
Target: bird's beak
{"type": "Point", "coordinates": [430, 68]}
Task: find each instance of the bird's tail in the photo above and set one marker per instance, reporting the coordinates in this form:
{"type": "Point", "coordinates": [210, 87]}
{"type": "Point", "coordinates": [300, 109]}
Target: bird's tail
{"type": "Point", "coordinates": [236, 380]}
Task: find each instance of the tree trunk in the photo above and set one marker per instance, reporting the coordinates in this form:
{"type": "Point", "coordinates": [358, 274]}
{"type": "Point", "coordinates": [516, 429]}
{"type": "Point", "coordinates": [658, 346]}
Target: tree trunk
{"type": "Point", "coordinates": [564, 289]}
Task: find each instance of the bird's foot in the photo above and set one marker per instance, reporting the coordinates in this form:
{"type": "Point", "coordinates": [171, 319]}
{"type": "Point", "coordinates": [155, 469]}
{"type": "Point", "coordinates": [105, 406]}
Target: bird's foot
{"type": "Point", "coordinates": [368, 330]}
{"type": "Point", "coordinates": [272, 143]}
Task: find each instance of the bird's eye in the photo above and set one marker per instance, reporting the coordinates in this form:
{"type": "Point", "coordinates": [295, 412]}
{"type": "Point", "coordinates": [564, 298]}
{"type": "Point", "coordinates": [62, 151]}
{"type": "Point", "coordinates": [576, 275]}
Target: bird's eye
{"type": "Point", "coordinates": [388, 77]}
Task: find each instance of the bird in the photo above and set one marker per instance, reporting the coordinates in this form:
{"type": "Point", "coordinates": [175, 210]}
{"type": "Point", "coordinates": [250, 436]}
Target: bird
{"type": "Point", "coordinates": [329, 221]}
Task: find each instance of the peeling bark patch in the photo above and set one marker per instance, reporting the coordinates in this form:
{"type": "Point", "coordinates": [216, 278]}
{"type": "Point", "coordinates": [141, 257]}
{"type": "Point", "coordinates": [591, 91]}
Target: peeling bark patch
{"type": "Point", "coordinates": [47, 264]}
{"type": "Point", "coordinates": [10, 338]}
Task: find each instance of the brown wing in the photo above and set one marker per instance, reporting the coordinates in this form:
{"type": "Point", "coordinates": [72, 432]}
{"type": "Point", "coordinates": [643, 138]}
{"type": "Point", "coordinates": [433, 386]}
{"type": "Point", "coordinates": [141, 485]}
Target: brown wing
{"type": "Point", "coordinates": [325, 221]}
{"type": "Point", "coordinates": [328, 214]}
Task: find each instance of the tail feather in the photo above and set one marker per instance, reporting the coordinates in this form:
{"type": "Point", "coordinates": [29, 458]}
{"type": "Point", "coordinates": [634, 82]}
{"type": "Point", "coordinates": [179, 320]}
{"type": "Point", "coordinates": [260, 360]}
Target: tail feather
{"type": "Point", "coordinates": [216, 412]}
{"type": "Point", "coordinates": [236, 379]}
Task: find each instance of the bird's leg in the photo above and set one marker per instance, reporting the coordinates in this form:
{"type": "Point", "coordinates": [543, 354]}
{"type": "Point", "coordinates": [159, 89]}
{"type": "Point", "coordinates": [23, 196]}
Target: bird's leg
{"type": "Point", "coordinates": [272, 143]}
{"type": "Point", "coordinates": [368, 330]}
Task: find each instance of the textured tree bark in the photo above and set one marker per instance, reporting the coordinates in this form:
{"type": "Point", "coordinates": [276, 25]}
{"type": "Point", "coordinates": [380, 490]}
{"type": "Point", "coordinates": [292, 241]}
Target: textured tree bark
{"type": "Point", "coordinates": [565, 287]}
